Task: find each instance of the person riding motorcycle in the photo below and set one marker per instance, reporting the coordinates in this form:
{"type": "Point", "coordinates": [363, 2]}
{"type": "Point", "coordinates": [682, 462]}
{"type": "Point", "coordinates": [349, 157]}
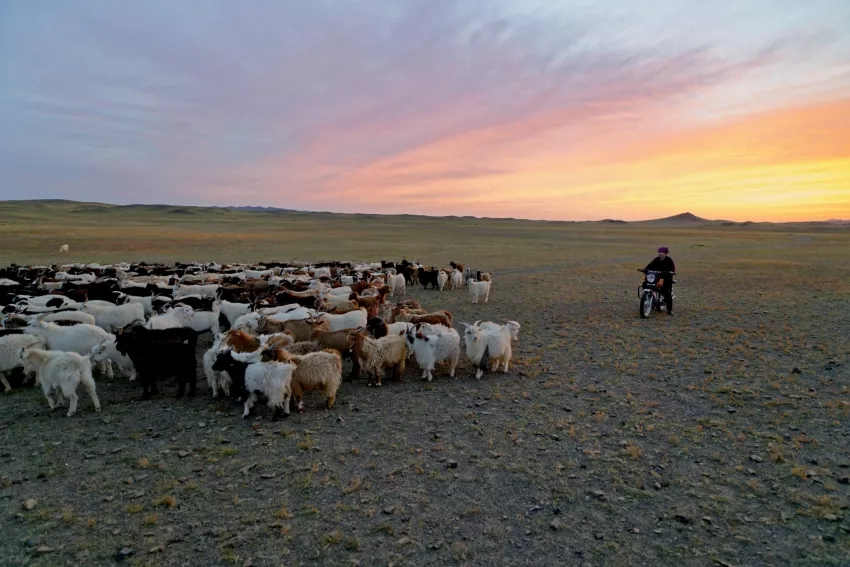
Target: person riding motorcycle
{"type": "Point", "coordinates": [664, 263]}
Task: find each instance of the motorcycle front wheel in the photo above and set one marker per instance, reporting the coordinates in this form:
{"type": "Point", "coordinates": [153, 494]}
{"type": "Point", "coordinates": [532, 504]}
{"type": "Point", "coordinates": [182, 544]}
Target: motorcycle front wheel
{"type": "Point", "coordinates": [645, 304]}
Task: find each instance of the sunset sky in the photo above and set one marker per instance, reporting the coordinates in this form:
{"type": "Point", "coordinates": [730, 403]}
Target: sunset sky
{"type": "Point", "coordinates": [570, 110]}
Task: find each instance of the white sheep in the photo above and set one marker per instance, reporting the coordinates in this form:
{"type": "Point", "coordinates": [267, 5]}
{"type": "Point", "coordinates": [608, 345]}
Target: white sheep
{"type": "Point", "coordinates": [478, 290]}
{"type": "Point", "coordinates": [111, 317]}
{"type": "Point", "coordinates": [442, 278]}
{"type": "Point", "coordinates": [179, 316]}
{"type": "Point", "coordinates": [457, 279]}
{"type": "Point", "coordinates": [61, 372]}
{"type": "Point", "coordinates": [10, 348]}
{"type": "Point", "coordinates": [397, 283]}
{"type": "Point", "coordinates": [433, 344]}
{"type": "Point", "coordinates": [81, 339]}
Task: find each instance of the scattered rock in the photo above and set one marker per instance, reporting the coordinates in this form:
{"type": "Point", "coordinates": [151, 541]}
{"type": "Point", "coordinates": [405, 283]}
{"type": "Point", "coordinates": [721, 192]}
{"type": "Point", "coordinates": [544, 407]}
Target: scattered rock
{"type": "Point", "coordinates": [830, 517]}
{"type": "Point", "coordinates": [108, 498]}
{"type": "Point", "coordinates": [683, 519]}
{"type": "Point", "coordinates": [634, 530]}
{"type": "Point", "coordinates": [707, 519]}
{"type": "Point", "coordinates": [437, 545]}
{"type": "Point", "coordinates": [125, 553]}
{"type": "Point", "coordinates": [844, 480]}
{"type": "Point", "coordinates": [244, 470]}
{"type": "Point", "coordinates": [182, 454]}
{"type": "Point", "coordinates": [44, 549]}
{"type": "Point", "coordinates": [29, 504]}
{"type": "Point", "coordinates": [599, 535]}
{"type": "Point", "coordinates": [555, 524]}
{"type": "Point", "coordinates": [600, 494]}
{"type": "Point", "coordinates": [756, 458]}
{"type": "Point", "coordinates": [389, 510]}
{"type": "Point", "coordinates": [451, 464]}
{"type": "Point", "coordinates": [796, 370]}
{"type": "Point", "coordinates": [157, 549]}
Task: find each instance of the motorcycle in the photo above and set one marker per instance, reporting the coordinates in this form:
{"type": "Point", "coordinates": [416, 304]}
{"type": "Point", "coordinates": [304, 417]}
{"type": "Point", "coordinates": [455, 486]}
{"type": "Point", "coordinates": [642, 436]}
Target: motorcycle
{"type": "Point", "coordinates": [649, 292]}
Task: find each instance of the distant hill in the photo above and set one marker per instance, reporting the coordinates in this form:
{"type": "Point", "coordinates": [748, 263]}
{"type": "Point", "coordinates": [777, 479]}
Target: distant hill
{"type": "Point", "coordinates": [680, 219]}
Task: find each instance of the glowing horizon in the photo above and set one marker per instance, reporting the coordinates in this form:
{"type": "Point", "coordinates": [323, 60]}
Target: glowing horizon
{"type": "Point", "coordinates": [550, 111]}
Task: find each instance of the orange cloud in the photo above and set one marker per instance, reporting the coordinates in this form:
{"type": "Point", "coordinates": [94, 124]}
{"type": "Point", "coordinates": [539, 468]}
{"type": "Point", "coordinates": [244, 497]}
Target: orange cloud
{"type": "Point", "coordinates": [782, 165]}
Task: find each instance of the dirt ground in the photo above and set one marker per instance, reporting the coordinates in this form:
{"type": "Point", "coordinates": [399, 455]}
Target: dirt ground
{"type": "Point", "coordinates": [718, 436]}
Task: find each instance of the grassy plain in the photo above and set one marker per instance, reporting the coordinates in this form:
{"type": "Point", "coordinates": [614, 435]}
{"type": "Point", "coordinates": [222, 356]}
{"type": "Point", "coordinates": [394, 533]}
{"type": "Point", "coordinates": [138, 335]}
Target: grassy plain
{"type": "Point", "coordinates": [718, 436]}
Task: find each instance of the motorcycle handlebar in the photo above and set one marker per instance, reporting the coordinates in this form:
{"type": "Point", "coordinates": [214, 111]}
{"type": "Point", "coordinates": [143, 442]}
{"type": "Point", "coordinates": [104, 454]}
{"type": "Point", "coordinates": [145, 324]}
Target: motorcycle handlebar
{"type": "Point", "coordinates": [644, 270]}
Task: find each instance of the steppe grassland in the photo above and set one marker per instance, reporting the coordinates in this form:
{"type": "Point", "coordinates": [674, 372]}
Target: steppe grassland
{"type": "Point", "coordinates": [717, 435]}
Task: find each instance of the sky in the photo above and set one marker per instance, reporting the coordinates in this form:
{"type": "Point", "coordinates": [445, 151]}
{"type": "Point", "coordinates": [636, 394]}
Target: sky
{"type": "Point", "coordinates": [557, 110]}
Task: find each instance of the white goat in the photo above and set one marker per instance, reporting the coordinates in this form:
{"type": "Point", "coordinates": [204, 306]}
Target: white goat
{"type": "Point", "coordinates": [272, 379]}
{"type": "Point", "coordinates": [442, 278]}
{"type": "Point", "coordinates": [112, 317]}
{"type": "Point", "coordinates": [207, 290]}
{"type": "Point", "coordinates": [249, 322]}
{"type": "Point", "coordinates": [179, 316]}
{"type": "Point", "coordinates": [478, 290]}
{"type": "Point", "coordinates": [145, 301]}
{"type": "Point", "coordinates": [397, 283]}
{"type": "Point", "coordinates": [433, 344]}
{"type": "Point", "coordinates": [232, 311]}
{"type": "Point", "coordinates": [216, 379]}
{"type": "Point", "coordinates": [81, 339]}
{"type": "Point", "coordinates": [10, 348]}
{"type": "Point", "coordinates": [457, 279]}
{"type": "Point", "coordinates": [351, 320]}
{"type": "Point", "coordinates": [62, 372]}
{"type": "Point", "coordinates": [205, 321]}
{"type": "Point", "coordinates": [490, 345]}
{"type": "Point", "coordinates": [77, 316]}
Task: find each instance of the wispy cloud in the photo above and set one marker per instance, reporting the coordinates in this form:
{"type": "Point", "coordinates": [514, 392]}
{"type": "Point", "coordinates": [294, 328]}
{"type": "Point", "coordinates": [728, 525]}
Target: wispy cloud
{"type": "Point", "coordinates": [503, 108]}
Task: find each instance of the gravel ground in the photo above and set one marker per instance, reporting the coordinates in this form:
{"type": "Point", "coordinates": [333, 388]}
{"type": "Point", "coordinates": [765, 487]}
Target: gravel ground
{"type": "Point", "coordinates": [718, 436]}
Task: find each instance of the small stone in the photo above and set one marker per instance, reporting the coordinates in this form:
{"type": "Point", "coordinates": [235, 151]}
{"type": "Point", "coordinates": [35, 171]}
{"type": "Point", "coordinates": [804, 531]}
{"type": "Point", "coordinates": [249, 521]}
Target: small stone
{"type": "Point", "coordinates": [157, 549]}
{"type": "Point", "coordinates": [635, 530]}
{"type": "Point", "coordinates": [268, 475]}
{"type": "Point", "coordinates": [658, 531]}
{"type": "Point", "coordinates": [202, 424]}
{"type": "Point", "coordinates": [556, 511]}
{"type": "Point", "coordinates": [756, 458]}
{"type": "Point", "coordinates": [750, 471]}
{"type": "Point", "coordinates": [183, 454]}
{"type": "Point", "coordinates": [339, 419]}
{"type": "Point", "coordinates": [44, 549]}
{"type": "Point", "coordinates": [125, 553]}
{"type": "Point", "coordinates": [844, 480]}
{"type": "Point", "coordinates": [389, 510]}
{"type": "Point", "coordinates": [599, 535]}
{"type": "Point", "coordinates": [707, 519]}
{"type": "Point", "coordinates": [248, 563]}
{"type": "Point", "coordinates": [683, 519]}
{"type": "Point", "coordinates": [796, 370]}
{"type": "Point", "coordinates": [555, 524]}
{"type": "Point", "coordinates": [437, 545]}
{"type": "Point", "coordinates": [108, 498]}
{"type": "Point", "coordinates": [600, 494]}
{"type": "Point", "coordinates": [29, 504]}
{"type": "Point", "coordinates": [106, 419]}
{"type": "Point", "coordinates": [452, 464]}
{"type": "Point", "coordinates": [830, 517]}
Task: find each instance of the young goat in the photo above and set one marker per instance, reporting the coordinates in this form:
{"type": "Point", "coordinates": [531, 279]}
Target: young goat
{"type": "Point", "coordinates": [63, 372]}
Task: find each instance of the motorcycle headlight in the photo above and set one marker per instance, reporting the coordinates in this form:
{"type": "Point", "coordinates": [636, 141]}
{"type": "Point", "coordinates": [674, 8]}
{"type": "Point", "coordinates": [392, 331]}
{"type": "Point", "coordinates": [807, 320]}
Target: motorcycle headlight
{"type": "Point", "coordinates": [650, 278]}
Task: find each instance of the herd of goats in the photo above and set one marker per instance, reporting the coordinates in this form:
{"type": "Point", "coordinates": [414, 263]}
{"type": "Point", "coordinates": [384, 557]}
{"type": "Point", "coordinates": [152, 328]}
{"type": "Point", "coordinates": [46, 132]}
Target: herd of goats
{"type": "Point", "coordinates": [288, 327]}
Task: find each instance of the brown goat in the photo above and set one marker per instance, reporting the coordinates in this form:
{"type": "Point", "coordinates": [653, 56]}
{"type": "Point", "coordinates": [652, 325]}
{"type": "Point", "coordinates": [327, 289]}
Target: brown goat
{"type": "Point", "coordinates": [441, 317]}
{"type": "Point", "coordinates": [300, 329]}
{"type": "Point", "coordinates": [340, 341]}
{"type": "Point", "coordinates": [240, 341]}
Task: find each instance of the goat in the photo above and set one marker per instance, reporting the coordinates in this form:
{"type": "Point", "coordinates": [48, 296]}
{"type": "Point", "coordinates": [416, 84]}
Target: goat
{"type": "Point", "coordinates": [251, 379]}
{"type": "Point", "coordinates": [433, 344]}
{"type": "Point", "coordinates": [10, 348]}
{"type": "Point", "coordinates": [62, 371]}
{"type": "Point", "coordinates": [377, 354]}
{"type": "Point", "coordinates": [479, 290]}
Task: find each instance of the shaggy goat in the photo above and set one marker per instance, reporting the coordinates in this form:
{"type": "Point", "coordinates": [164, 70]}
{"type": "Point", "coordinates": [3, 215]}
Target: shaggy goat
{"type": "Point", "coordinates": [63, 372]}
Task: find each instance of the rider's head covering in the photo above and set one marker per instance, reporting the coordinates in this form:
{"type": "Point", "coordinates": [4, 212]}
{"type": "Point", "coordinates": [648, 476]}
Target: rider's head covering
{"type": "Point", "coordinates": [664, 249]}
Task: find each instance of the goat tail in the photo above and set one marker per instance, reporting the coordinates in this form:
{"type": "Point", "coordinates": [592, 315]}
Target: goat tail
{"type": "Point", "coordinates": [485, 359]}
{"type": "Point", "coordinates": [87, 380]}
